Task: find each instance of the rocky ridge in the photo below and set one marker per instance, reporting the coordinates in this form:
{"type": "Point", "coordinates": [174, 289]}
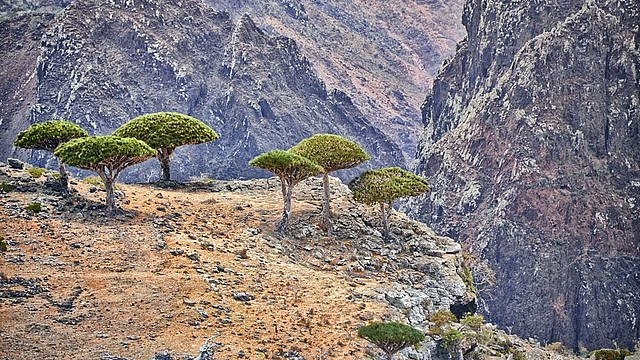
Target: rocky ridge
{"type": "Point", "coordinates": [531, 144]}
{"type": "Point", "coordinates": [101, 64]}
{"type": "Point", "coordinates": [383, 53]}
{"type": "Point", "coordinates": [197, 270]}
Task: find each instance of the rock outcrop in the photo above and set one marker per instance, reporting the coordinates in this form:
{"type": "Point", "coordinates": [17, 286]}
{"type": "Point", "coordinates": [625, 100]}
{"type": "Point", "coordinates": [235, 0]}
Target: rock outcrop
{"type": "Point", "coordinates": [532, 147]}
{"type": "Point", "coordinates": [100, 64]}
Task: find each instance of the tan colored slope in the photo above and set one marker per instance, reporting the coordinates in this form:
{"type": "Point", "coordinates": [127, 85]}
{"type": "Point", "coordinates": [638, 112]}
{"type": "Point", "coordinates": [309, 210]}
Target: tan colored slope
{"type": "Point", "coordinates": [132, 296]}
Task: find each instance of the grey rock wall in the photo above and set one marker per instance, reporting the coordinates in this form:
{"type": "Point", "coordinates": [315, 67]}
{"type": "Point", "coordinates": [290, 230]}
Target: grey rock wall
{"type": "Point", "coordinates": [101, 64]}
{"type": "Point", "coordinates": [532, 147]}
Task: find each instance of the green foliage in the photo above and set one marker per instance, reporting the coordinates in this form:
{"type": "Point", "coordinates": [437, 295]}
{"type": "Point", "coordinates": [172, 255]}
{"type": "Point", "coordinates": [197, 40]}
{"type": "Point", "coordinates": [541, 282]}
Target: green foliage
{"type": "Point", "coordinates": [441, 320]}
{"type": "Point", "coordinates": [48, 135]}
{"type": "Point", "coordinates": [518, 355]}
{"type": "Point", "coordinates": [167, 130]}
{"type": "Point", "coordinates": [6, 187]}
{"type": "Point", "coordinates": [451, 339]}
{"type": "Point", "coordinates": [467, 278]}
{"type": "Point", "coordinates": [391, 337]}
{"type": "Point", "coordinates": [93, 180]}
{"type": "Point", "coordinates": [35, 172]}
{"type": "Point", "coordinates": [288, 166]}
{"type": "Point", "coordinates": [332, 152]}
{"type": "Point", "coordinates": [385, 185]}
{"type": "Point", "coordinates": [611, 354]}
{"type": "Point", "coordinates": [34, 207]}
{"type": "Point", "coordinates": [473, 322]}
{"type": "Point", "coordinates": [95, 152]}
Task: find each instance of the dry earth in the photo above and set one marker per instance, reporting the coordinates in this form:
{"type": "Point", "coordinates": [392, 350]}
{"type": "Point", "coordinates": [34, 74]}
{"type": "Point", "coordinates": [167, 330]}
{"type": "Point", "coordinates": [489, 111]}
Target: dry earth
{"type": "Point", "coordinates": [171, 271]}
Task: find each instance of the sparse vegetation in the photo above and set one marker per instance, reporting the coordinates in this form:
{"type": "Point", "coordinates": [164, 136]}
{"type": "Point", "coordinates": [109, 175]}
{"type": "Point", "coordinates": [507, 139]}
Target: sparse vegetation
{"type": "Point", "coordinates": [467, 277]}
{"type": "Point", "coordinates": [6, 187]}
{"type": "Point", "coordinates": [383, 186]}
{"type": "Point", "coordinates": [390, 337]}
{"type": "Point", "coordinates": [107, 156]}
{"type": "Point", "coordinates": [332, 152]}
{"type": "Point", "coordinates": [451, 340]}
{"type": "Point", "coordinates": [93, 180]}
{"type": "Point", "coordinates": [35, 172]}
{"type": "Point", "coordinates": [48, 136]}
{"type": "Point", "coordinates": [291, 169]}
{"type": "Point", "coordinates": [611, 354]}
{"type": "Point", "coordinates": [473, 322]}
{"type": "Point", "coordinates": [441, 320]}
{"type": "Point", "coordinates": [34, 207]}
{"type": "Point", "coordinates": [164, 132]}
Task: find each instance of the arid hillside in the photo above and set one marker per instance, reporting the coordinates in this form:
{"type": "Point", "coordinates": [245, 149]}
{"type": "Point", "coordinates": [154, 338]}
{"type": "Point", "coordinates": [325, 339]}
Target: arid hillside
{"type": "Point", "coordinates": [180, 266]}
{"type": "Point", "coordinates": [195, 268]}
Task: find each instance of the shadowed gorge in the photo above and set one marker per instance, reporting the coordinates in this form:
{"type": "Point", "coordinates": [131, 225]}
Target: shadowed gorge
{"type": "Point", "coordinates": [532, 147]}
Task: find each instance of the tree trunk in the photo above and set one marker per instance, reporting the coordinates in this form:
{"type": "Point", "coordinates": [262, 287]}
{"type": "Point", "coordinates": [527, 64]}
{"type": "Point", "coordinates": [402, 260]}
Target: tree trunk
{"type": "Point", "coordinates": [164, 156]}
{"type": "Point", "coordinates": [110, 199]}
{"type": "Point", "coordinates": [385, 220]}
{"type": "Point", "coordinates": [286, 212]}
{"type": "Point", "coordinates": [64, 178]}
{"type": "Point", "coordinates": [326, 211]}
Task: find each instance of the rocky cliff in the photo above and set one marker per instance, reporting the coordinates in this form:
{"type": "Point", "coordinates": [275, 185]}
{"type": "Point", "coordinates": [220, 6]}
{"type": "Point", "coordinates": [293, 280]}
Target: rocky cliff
{"type": "Point", "coordinates": [384, 53]}
{"type": "Point", "coordinates": [100, 64]}
{"type": "Point", "coordinates": [532, 146]}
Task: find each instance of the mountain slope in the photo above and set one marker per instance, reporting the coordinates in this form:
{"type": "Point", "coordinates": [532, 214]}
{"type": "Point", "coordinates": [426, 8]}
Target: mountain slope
{"type": "Point", "coordinates": [383, 53]}
{"type": "Point", "coordinates": [532, 145]}
{"type": "Point", "coordinates": [179, 266]}
{"type": "Point", "coordinates": [104, 63]}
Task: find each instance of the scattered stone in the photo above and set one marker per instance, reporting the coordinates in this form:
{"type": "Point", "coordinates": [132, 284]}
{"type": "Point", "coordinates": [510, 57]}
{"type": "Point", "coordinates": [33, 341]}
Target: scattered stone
{"type": "Point", "coordinates": [176, 252]}
{"type": "Point", "coordinates": [15, 164]}
{"type": "Point", "coordinates": [242, 296]}
{"type": "Point", "coordinates": [189, 302]}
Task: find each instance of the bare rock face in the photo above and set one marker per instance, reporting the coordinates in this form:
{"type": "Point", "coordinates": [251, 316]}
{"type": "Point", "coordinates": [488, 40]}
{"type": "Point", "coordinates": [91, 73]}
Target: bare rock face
{"type": "Point", "coordinates": [22, 24]}
{"type": "Point", "coordinates": [101, 64]}
{"type": "Point", "coordinates": [532, 147]}
{"type": "Point", "coordinates": [383, 53]}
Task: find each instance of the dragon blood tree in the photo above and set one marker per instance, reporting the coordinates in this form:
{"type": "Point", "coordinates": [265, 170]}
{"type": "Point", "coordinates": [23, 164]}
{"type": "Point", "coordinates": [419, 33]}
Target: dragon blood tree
{"type": "Point", "coordinates": [164, 132]}
{"type": "Point", "coordinates": [390, 337]}
{"type": "Point", "coordinates": [105, 155]}
{"type": "Point", "coordinates": [383, 186]}
{"type": "Point", "coordinates": [332, 152]}
{"type": "Point", "coordinates": [291, 169]}
{"type": "Point", "coordinates": [48, 136]}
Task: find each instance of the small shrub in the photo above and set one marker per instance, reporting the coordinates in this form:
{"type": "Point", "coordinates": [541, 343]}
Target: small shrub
{"type": "Point", "coordinates": [451, 339]}
{"type": "Point", "coordinates": [611, 354]}
{"type": "Point", "coordinates": [6, 187]}
{"type": "Point", "coordinates": [517, 354]}
{"type": "Point", "coordinates": [467, 278]}
{"type": "Point", "coordinates": [35, 172]}
{"type": "Point", "coordinates": [441, 319]}
{"type": "Point", "coordinates": [474, 322]}
{"type": "Point", "coordinates": [34, 207]}
{"type": "Point", "coordinates": [93, 180]}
